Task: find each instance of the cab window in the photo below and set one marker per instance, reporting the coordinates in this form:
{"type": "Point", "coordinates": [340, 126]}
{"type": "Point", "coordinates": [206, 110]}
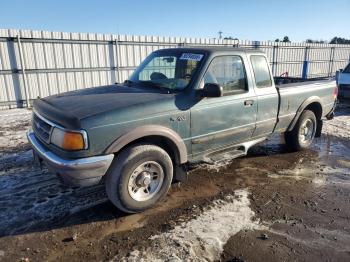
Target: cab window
{"type": "Point", "coordinates": [228, 72]}
{"type": "Point", "coordinates": [261, 71]}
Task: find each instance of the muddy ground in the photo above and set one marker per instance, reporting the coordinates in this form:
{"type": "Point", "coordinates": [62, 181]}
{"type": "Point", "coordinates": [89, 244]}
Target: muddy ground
{"type": "Point", "coordinates": [273, 205]}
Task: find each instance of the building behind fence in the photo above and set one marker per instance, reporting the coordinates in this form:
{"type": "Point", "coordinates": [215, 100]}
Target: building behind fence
{"type": "Point", "coordinates": [40, 63]}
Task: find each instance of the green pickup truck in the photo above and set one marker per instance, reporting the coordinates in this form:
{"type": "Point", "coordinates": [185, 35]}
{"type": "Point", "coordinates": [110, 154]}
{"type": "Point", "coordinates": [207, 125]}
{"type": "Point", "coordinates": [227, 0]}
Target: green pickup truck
{"type": "Point", "coordinates": [180, 105]}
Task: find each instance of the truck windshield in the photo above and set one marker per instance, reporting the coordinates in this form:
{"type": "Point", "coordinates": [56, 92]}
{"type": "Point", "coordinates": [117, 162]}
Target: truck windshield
{"type": "Point", "coordinates": [172, 70]}
{"type": "Point", "coordinates": [347, 69]}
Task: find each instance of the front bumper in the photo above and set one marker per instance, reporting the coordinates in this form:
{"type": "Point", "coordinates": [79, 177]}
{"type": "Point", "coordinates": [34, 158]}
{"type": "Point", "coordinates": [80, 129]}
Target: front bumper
{"type": "Point", "coordinates": [77, 172]}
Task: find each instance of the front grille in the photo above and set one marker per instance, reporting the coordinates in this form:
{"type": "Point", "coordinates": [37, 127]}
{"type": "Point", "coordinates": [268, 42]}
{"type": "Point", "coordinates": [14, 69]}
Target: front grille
{"type": "Point", "coordinates": [41, 128]}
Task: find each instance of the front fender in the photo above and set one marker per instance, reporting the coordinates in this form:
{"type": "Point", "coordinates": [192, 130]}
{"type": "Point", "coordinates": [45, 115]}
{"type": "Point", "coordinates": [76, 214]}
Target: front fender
{"type": "Point", "coordinates": [151, 130]}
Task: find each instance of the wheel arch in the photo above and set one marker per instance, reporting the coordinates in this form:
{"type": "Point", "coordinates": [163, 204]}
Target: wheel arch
{"type": "Point", "coordinates": [313, 104]}
{"type": "Point", "coordinates": [162, 136]}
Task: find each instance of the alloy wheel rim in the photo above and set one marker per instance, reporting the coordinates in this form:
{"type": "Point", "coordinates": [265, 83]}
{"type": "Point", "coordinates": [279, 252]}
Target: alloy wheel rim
{"type": "Point", "coordinates": [307, 131]}
{"type": "Point", "coordinates": [145, 181]}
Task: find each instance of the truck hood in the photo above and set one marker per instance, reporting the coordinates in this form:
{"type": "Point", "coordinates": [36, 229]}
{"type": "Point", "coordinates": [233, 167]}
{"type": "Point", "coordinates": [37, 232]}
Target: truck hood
{"type": "Point", "coordinates": [68, 109]}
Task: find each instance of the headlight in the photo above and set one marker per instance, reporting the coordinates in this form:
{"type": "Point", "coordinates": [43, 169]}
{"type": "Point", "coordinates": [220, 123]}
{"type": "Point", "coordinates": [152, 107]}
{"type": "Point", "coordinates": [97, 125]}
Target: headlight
{"type": "Point", "coordinates": [68, 140]}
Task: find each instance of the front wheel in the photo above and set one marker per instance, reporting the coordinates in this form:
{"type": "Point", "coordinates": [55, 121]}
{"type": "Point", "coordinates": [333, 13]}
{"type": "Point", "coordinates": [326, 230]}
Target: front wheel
{"type": "Point", "coordinates": [303, 133]}
{"type": "Point", "coordinates": [139, 177]}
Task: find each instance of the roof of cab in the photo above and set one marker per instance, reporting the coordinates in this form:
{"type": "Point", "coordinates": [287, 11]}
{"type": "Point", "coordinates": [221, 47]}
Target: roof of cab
{"type": "Point", "coordinates": [214, 49]}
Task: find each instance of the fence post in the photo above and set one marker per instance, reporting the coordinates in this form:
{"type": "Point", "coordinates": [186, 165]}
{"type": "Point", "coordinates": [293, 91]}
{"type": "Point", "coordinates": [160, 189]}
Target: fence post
{"type": "Point", "coordinates": [117, 59]}
{"type": "Point", "coordinates": [305, 63]}
{"type": "Point", "coordinates": [21, 59]}
{"type": "Point", "coordinates": [15, 72]}
{"type": "Point", "coordinates": [331, 61]}
{"type": "Point", "coordinates": [256, 44]}
{"type": "Point", "coordinates": [274, 60]}
{"type": "Point", "coordinates": [112, 61]}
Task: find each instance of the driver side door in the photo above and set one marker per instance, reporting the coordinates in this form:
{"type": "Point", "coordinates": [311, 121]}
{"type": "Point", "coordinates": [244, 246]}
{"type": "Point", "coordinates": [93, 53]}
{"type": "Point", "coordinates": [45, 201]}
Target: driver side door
{"type": "Point", "coordinates": [220, 122]}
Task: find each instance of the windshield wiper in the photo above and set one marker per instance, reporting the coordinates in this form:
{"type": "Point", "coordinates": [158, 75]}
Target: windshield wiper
{"type": "Point", "coordinates": [153, 84]}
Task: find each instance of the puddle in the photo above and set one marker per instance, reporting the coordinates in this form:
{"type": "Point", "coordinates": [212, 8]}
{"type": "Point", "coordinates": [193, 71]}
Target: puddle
{"type": "Point", "coordinates": [328, 164]}
{"type": "Point", "coordinates": [317, 238]}
{"type": "Point", "coordinates": [131, 222]}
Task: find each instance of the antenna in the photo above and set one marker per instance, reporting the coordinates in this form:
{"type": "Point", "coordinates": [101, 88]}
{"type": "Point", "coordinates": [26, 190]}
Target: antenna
{"type": "Point", "coordinates": [220, 34]}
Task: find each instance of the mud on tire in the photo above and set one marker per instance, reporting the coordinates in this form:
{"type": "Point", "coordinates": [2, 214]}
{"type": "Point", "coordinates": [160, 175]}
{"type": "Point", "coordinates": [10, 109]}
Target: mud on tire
{"type": "Point", "coordinates": [128, 177]}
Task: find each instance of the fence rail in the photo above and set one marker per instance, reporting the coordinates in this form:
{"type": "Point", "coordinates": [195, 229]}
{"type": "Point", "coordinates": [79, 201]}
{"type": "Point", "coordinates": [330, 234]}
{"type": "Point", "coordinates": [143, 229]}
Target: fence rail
{"type": "Point", "coordinates": [41, 63]}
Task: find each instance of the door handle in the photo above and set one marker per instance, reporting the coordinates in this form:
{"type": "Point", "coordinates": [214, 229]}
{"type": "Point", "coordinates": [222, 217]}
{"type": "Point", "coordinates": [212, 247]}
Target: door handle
{"type": "Point", "coordinates": [248, 102]}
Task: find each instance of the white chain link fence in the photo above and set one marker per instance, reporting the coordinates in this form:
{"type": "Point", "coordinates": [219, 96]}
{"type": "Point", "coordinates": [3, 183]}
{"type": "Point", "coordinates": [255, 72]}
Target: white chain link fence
{"type": "Point", "coordinates": [41, 63]}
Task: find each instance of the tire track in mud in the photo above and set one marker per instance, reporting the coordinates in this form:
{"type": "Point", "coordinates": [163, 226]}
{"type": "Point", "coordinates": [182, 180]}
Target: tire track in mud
{"type": "Point", "coordinates": [31, 198]}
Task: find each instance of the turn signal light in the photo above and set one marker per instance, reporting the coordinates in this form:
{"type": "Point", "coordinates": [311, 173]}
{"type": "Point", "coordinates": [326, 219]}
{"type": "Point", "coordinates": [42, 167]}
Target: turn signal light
{"type": "Point", "coordinates": [68, 140]}
{"type": "Point", "coordinates": [73, 141]}
{"type": "Point", "coordinates": [335, 92]}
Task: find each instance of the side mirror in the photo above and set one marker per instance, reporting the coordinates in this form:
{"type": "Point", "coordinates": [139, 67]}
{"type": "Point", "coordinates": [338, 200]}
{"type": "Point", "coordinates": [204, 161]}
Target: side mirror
{"type": "Point", "coordinates": [212, 90]}
{"type": "Point", "coordinates": [341, 70]}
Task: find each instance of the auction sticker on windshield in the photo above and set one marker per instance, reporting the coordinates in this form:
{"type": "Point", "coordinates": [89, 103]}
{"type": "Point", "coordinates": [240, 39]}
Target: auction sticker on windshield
{"type": "Point", "coordinates": [192, 57]}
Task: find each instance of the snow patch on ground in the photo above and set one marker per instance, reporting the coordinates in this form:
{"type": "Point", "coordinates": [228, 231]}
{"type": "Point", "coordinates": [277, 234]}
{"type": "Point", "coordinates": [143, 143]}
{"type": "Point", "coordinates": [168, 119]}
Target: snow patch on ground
{"type": "Point", "coordinates": [203, 238]}
{"type": "Point", "coordinates": [13, 126]}
{"type": "Point", "coordinates": [339, 127]}
{"type": "Point", "coordinates": [216, 164]}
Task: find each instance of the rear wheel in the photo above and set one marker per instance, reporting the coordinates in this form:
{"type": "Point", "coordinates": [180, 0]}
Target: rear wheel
{"type": "Point", "coordinates": [303, 133]}
{"type": "Point", "coordinates": [139, 177]}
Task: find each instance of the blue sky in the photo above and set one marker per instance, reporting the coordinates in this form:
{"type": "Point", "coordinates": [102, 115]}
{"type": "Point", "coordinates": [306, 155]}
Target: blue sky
{"type": "Point", "coordinates": [245, 19]}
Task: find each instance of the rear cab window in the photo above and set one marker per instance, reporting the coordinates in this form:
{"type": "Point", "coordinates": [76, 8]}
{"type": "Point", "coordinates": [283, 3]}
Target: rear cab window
{"type": "Point", "coordinates": [261, 70]}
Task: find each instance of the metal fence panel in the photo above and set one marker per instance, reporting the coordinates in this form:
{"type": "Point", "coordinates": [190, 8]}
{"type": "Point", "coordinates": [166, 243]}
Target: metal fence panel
{"type": "Point", "coordinates": [42, 63]}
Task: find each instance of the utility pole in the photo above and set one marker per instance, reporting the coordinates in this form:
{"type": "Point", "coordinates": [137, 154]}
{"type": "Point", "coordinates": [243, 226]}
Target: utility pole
{"type": "Point", "coordinates": [220, 34]}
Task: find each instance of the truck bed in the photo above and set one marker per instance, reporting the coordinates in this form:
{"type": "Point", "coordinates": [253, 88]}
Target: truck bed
{"type": "Point", "coordinates": [284, 82]}
{"type": "Point", "coordinates": [293, 95]}
{"type": "Point", "coordinates": [303, 84]}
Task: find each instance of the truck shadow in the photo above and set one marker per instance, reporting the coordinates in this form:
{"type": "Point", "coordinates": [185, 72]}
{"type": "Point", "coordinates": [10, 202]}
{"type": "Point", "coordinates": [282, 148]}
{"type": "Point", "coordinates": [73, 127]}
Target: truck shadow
{"type": "Point", "coordinates": [34, 200]}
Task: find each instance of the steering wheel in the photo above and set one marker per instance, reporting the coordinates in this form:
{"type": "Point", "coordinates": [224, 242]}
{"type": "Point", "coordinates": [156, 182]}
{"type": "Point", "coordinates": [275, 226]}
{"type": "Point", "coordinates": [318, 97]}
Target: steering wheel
{"type": "Point", "coordinates": [157, 76]}
{"type": "Point", "coordinates": [187, 76]}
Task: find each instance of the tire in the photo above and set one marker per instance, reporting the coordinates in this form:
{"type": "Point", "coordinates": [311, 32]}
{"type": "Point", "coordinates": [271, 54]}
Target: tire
{"type": "Point", "coordinates": [135, 171]}
{"type": "Point", "coordinates": [297, 139]}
